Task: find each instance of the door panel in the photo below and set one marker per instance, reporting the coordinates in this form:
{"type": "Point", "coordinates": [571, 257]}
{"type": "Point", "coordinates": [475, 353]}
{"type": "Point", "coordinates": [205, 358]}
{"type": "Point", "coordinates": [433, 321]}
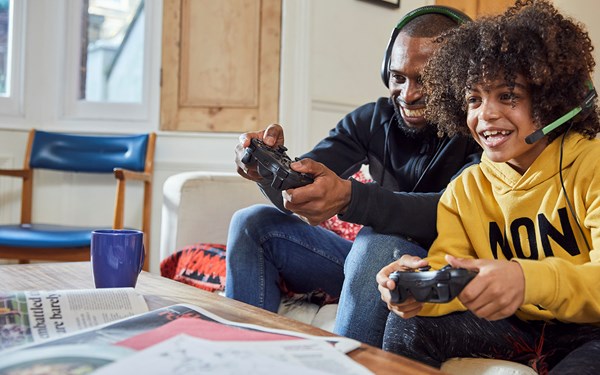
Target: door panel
{"type": "Point", "coordinates": [220, 64]}
{"type": "Point", "coordinates": [476, 8]}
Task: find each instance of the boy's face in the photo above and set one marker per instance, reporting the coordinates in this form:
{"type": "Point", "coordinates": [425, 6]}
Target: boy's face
{"type": "Point", "coordinates": [499, 120]}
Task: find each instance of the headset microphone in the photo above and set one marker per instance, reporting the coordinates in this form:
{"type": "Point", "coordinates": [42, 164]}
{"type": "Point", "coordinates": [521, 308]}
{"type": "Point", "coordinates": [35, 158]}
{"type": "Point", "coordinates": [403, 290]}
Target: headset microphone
{"type": "Point", "coordinates": [539, 134]}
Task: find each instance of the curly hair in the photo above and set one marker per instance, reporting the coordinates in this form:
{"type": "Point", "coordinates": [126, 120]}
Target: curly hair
{"type": "Point", "coordinates": [552, 52]}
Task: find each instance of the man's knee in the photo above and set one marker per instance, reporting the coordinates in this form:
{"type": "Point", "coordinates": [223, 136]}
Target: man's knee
{"type": "Point", "coordinates": [372, 250]}
{"type": "Point", "coordinates": [251, 214]}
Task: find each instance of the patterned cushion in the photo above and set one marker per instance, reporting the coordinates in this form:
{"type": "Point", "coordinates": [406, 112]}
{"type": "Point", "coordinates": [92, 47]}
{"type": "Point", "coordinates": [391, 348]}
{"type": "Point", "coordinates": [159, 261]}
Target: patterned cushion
{"type": "Point", "coordinates": [201, 265]}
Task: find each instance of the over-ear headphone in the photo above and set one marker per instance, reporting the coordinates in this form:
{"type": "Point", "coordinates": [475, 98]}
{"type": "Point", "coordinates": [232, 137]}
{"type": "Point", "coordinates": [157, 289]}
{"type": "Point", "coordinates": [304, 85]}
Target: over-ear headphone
{"type": "Point", "coordinates": [585, 104]}
{"type": "Point", "coordinates": [454, 14]}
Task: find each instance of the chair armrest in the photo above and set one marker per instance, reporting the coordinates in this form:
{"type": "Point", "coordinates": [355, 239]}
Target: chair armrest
{"type": "Point", "coordinates": [197, 207]}
{"type": "Point", "coordinates": [122, 176]}
{"type": "Point", "coordinates": [23, 173]}
{"type": "Point", "coordinates": [26, 192]}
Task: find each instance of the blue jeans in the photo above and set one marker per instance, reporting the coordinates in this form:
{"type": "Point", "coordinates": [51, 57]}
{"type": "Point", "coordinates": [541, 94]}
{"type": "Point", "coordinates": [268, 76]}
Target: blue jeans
{"type": "Point", "coordinates": [361, 313]}
{"type": "Point", "coordinates": [266, 246]}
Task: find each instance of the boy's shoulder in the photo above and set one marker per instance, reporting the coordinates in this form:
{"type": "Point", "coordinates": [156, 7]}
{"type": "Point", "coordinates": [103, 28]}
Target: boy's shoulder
{"type": "Point", "coordinates": [588, 149]}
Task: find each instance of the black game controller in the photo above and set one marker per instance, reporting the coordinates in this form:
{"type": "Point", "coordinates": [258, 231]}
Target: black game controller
{"type": "Point", "coordinates": [430, 286]}
{"type": "Point", "coordinates": [274, 163]}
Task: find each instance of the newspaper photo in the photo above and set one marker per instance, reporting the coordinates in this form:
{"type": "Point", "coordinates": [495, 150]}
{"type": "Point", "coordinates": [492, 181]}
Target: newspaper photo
{"type": "Point", "coordinates": [34, 316]}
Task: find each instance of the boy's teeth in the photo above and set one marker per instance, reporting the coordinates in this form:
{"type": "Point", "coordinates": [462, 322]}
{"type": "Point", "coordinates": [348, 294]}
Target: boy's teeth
{"type": "Point", "coordinates": [489, 133]}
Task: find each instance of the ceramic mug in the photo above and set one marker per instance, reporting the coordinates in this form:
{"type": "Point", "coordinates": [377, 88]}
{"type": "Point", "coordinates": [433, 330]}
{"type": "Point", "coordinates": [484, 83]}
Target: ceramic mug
{"type": "Point", "coordinates": [117, 257]}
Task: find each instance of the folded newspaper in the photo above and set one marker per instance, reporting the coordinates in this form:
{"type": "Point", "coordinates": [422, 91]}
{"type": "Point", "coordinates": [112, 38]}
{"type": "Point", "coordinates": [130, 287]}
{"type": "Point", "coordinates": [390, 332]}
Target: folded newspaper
{"type": "Point", "coordinates": [34, 316]}
{"type": "Point", "coordinates": [175, 331]}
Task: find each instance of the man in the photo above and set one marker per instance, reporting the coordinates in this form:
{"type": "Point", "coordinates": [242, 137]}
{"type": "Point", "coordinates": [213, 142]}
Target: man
{"type": "Point", "coordinates": [410, 165]}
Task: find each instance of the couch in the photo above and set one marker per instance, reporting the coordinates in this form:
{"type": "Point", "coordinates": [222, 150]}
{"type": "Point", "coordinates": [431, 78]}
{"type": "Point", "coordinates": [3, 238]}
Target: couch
{"type": "Point", "coordinates": [190, 214]}
{"type": "Point", "coordinates": [197, 207]}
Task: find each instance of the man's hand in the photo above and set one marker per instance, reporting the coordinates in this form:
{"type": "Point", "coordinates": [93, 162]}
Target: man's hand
{"type": "Point", "coordinates": [328, 195]}
{"type": "Point", "coordinates": [271, 136]}
{"type": "Point", "coordinates": [496, 292]}
{"type": "Point", "coordinates": [410, 307]}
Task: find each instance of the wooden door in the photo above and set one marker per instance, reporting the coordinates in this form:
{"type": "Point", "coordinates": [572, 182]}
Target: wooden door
{"type": "Point", "coordinates": [476, 8]}
{"type": "Point", "coordinates": [220, 64]}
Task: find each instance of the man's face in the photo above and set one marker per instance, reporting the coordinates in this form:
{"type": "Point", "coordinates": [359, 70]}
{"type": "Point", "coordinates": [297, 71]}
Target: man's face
{"type": "Point", "coordinates": [407, 61]}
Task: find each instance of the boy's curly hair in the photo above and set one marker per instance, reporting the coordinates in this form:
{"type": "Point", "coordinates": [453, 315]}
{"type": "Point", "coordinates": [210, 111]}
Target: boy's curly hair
{"type": "Point", "coordinates": [552, 52]}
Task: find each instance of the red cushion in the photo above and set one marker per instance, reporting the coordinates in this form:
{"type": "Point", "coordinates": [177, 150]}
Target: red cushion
{"type": "Point", "coordinates": [343, 228]}
{"type": "Point", "coordinates": [201, 265]}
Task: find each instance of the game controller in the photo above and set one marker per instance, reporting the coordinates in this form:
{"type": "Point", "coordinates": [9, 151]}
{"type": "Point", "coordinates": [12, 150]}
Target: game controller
{"type": "Point", "coordinates": [274, 163]}
{"type": "Point", "coordinates": [430, 286]}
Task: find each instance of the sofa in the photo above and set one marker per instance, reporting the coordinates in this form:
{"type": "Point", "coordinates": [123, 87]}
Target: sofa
{"type": "Point", "coordinates": [192, 214]}
{"type": "Point", "coordinates": [197, 207]}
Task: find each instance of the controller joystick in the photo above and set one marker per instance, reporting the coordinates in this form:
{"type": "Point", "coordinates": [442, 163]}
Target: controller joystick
{"type": "Point", "coordinates": [274, 164]}
{"type": "Point", "coordinates": [430, 286]}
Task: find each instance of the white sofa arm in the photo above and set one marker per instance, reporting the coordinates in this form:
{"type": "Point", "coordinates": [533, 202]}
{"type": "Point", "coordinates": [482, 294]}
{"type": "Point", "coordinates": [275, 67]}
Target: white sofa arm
{"type": "Point", "coordinates": [197, 207]}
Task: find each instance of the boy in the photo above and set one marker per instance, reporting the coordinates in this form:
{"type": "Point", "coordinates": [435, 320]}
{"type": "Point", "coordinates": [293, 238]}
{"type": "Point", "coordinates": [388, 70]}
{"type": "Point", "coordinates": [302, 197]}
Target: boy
{"type": "Point", "coordinates": [527, 219]}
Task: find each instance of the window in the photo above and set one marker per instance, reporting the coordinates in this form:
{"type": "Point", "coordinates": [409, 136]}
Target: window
{"type": "Point", "coordinates": [5, 23]}
{"type": "Point", "coordinates": [108, 76]}
{"type": "Point", "coordinates": [112, 51]}
{"type": "Point", "coordinates": [11, 56]}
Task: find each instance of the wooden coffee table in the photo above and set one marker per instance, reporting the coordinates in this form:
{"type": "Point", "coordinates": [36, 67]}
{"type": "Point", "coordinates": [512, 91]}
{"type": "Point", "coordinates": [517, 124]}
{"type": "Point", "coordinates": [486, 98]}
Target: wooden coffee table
{"type": "Point", "coordinates": [160, 292]}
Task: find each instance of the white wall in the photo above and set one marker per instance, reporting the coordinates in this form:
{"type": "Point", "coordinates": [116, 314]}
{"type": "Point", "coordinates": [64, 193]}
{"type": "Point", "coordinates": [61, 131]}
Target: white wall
{"type": "Point", "coordinates": [331, 56]}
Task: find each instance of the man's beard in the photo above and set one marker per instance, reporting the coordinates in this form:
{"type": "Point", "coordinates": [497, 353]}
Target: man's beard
{"type": "Point", "coordinates": [415, 133]}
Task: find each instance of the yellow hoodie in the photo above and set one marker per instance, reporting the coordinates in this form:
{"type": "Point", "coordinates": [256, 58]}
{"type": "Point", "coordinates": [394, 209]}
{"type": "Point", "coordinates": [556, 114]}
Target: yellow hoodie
{"type": "Point", "coordinates": [491, 211]}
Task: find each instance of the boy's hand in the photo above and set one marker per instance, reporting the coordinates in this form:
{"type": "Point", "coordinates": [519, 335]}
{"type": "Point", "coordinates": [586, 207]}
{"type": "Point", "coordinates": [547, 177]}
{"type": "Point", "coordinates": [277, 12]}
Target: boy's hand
{"type": "Point", "coordinates": [410, 307]}
{"type": "Point", "coordinates": [496, 292]}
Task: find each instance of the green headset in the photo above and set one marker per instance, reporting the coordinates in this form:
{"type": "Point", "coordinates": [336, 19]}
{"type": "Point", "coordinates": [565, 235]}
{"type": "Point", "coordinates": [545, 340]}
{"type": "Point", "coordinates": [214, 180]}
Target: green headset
{"type": "Point", "coordinates": [454, 14]}
{"type": "Point", "coordinates": [586, 104]}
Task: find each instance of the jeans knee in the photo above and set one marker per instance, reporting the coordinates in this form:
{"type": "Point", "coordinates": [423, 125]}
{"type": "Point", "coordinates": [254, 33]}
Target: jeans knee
{"type": "Point", "coordinates": [248, 217]}
{"type": "Point", "coordinates": [371, 251]}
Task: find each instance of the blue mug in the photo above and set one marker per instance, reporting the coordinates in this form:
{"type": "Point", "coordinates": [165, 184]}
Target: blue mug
{"type": "Point", "coordinates": [117, 257]}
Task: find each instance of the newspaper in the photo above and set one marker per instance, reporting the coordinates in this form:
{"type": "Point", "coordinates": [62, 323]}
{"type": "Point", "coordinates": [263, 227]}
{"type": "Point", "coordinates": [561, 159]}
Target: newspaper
{"type": "Point", "coordinates": [190, 355]}
{"type": "Point", "coordinates": [116, 341]}
{"type": "Point", "coordinates": [34, 316]}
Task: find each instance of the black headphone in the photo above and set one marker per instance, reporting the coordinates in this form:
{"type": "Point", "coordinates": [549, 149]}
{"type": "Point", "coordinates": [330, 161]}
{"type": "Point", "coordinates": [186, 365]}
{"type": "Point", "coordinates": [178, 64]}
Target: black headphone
{"type": "Point", "coordinates": [454, 14]}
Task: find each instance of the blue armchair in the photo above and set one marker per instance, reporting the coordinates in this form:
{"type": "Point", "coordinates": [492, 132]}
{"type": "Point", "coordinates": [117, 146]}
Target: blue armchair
{"type": "Point", "coordinates": [127, 157]}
